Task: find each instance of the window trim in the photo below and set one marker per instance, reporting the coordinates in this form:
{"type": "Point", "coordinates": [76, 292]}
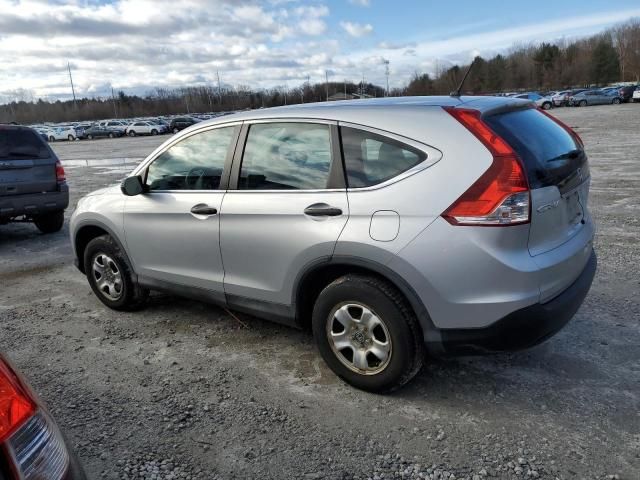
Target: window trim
{"type": "Point", "coordinates": [336, 180]}
{"type": "Point", "coordinates": [433, 155]}
{"type": "Point", "coordinates": [143, 168]}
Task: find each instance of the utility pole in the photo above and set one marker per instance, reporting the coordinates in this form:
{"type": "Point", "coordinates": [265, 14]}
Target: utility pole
{"type": "Point", "coordinates": [113, 99]}
{"type": "Point", "coordinates": [326, 78]}
{"type": "Point", "coordinates": [73, 91]}
{"type": "Point", "coordinates": [386, 72]}
{"type": "Point", "coordinates": [219, 88]}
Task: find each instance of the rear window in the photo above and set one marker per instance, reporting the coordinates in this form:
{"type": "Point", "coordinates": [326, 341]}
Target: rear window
{"type": "Point", "coordinates": [18, 144]}
{"type": "Point", "coordinates": [550, 154]}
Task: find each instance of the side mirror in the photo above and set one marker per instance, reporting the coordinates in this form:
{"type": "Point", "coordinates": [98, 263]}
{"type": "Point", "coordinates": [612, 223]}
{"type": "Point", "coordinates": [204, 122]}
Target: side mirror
{"type": "Point", "coordinates": [132, 186]}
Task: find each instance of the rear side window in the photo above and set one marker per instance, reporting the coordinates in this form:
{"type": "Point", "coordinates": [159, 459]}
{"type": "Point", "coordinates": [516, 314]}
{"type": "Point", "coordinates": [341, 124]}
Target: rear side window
{"type": "Point", "coordinates": [194, 163]}
{"type": "Point", "coordinates": [18, 144]}
{"type": "Point", "coordinates": [286, 156]}
{"type": "Point", "coordinates": [371, 159]}
{"type": "Point", "coordinates": [550, 154]}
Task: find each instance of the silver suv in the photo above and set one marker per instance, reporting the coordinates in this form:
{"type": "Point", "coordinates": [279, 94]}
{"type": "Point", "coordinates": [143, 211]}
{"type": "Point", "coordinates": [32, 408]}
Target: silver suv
{"type": "Point", "coordinates": [389, 227]}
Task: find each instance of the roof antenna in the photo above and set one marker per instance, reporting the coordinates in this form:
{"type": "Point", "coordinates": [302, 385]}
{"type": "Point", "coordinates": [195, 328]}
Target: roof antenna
{"type": "Point", "coordinates": [458, 91]}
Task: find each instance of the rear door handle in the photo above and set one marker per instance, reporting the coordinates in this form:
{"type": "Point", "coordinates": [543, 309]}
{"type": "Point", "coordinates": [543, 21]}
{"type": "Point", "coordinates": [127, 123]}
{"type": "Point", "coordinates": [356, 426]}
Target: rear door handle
{"type": "Point", "coordinates": [204, 209]}
{"type": "Point", "coordinates": [322, 210]}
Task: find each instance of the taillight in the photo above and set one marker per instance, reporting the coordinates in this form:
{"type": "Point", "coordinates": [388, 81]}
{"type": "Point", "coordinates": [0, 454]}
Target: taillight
{"type": "Point", "coordinates": [60, 175]}
{"type": "Point", "coordinates": [33, 444]}
{"type": "Point", "coordinates": [569, 130]}
{"type": "Point", "coordinates": [500, 196]}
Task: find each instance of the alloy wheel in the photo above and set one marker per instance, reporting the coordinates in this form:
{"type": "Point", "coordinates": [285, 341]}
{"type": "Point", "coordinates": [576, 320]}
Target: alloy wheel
{"type": "Point", "coordinates": [107, 276]}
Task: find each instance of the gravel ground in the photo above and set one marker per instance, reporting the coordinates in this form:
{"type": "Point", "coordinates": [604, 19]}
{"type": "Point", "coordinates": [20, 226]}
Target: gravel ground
{"type": "Point", "coordinates": [182, 390]}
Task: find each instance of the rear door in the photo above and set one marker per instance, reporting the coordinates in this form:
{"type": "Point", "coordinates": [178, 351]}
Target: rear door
{"type": "Point", "coordinates": [285, 208]}
{"type": "Point", "coordinates": [27, 165]}
{"type": "Point", "coordinates": [558, 174]}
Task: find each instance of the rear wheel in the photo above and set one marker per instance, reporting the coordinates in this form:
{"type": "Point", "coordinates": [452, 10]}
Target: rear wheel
{"type": "Point", "coordinates": [616, 101]}
{"type": "Point", "coordinates": [49, 222]}
{"type": "Point", "coordinates": [90, 137]}
{"type": "Point", "coordinates": [110, 275]}
{"type": "Point", "coordinates": [132, 133]}
{"type": "Point", "coordinates": [367, 334]}
{"type": "Point", "coordinates": [71, 138]}
{"type": "Point", "coordinates": [111, 135]}
{"type": "Point", "coordinates": [546, 105]}
{"type": "Point", "coordinates": [583, 103]}
{"type": "Point", "coordinates": [154, 132]}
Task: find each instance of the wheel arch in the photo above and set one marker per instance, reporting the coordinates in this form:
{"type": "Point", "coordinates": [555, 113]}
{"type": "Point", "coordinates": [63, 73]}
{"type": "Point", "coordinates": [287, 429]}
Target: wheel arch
{"type": "Point", "coordinates": [319, 274]}
{"type": "Point", "coordinates": [87, 232]}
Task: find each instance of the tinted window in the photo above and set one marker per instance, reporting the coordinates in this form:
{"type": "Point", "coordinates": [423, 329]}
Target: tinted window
{"type": "Point", "coordinates": [550, 154]}
{"type": "Point", "coordinates": [284, 156]}
{"type": "Point", "coordinates": [194, 163]}
{"type": "Point", "coordinates": [18, 144]}
{"type": "Point", "coordinates": [371, 159]}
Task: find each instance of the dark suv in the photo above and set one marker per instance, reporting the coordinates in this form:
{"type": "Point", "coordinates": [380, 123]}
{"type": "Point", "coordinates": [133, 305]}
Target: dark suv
{"type": "Point", "coordinates": [180, 123]}
{"type": "Point", "coordinates": [626, 92]}
{"type": "Point", "coordinates": [33, 186]}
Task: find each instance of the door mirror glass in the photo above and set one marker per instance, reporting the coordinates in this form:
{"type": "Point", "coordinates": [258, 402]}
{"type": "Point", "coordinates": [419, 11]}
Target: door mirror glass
{"type": "Point", "coordinates": [132, 186]}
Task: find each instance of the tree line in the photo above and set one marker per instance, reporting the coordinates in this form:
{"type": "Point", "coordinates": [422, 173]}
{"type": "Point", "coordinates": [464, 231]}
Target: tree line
{"type": "Point", "coordinates": [611, 56]}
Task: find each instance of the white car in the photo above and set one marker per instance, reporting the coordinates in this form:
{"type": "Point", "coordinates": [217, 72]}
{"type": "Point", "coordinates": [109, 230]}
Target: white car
{"type": "Point", "coordinates": [59, 132]}
{"type": "Point", "coordinates": [143, 128]}
{"type": "Point", "coordinates": [543, 102]}
{"type": "Point", "coordinates": [636, 95]}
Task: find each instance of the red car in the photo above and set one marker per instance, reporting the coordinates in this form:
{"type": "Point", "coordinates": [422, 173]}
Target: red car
{"type": "Point", "coordinates": [31, 445]}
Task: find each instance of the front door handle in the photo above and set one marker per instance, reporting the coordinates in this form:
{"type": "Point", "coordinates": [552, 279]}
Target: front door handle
{"type": "Point", "coordinates": [322, 210]}
{"type": "Point", "coordinates": [203, 209]}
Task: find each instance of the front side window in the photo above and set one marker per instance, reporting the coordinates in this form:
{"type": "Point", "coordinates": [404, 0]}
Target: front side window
{"type": "Point", "coordinates": [194, 163]}
{"type": "Point", "coordinates": [286, 156]}
{"type": "Point", "coordinates": [371, 159]}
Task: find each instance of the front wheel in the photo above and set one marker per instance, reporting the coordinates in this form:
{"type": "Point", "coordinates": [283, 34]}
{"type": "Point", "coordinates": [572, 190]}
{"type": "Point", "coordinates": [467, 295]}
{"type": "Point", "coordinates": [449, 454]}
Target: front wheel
{"type": "Point", "coordinates": [546, 105]}
{"type": "Point", "coordinates": [111, 276]}
{"type": "Point", "coordinates": [49, 222]}
{"type": "Point", "coordinates": [71, 138]}
{"type": "Point", "coordinates": [132, 133]}
{"type": "Point", "coordinates": [154, 132]}
{"type": "Point", "coordinates": [367, 334]}
{"type": "Point", "coordinates": [616, 101]}
{"type": "Point", "coordinates": [89, 137]}
{"type": "Point", "coordinates": [111, 135]}
{"type": "Point", "coordinates": [583, 103]}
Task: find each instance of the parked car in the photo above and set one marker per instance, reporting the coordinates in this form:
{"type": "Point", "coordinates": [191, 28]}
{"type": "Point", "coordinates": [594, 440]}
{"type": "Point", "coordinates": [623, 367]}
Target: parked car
{"type": "Point", "coordinates": [97, 131]}
{"type": "Point", "coordinates": [543, 102]}
{"type": "Point", "coordinates": [594, 97]}
{"type": "Point", "coordinates": [33, 447]}
{"type": "Point", "coordinates": [143, 128]}
{"type": "Point", "coordinates": [180, 123]}
{"type": "Point", "coordinates": [33, 186]}
{"type": "Point", "coordinates": [386, 226]}
{"type": "Point", "coordinates": [636, 95]}
{"type": "Point", "coordinates": [626, 92]}
{"type": "Point", "coordinates": [60, 132]}
{"type": "Point", "coordinates": [560, 99]}
{"type": "Point", "coordinates": [80, 129]}
{"type": "Point", "coordinates": [114, 125]}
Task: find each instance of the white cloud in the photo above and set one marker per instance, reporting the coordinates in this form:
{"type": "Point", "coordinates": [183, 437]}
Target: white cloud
{"type": "Point", "coordinates": [357, 29]}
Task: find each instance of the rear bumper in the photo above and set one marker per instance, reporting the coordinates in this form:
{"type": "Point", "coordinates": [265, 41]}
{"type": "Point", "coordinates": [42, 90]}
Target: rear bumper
{"type": "Point", "coordinates": [34, 203]}
{"type": "Point", "coordinates": [523, 328]}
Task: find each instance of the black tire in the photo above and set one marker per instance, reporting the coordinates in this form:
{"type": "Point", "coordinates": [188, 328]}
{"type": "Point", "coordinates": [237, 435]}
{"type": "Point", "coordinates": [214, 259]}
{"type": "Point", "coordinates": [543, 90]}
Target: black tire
{"type": "Point", "coordinates": [546, 106]}
{"type": "Point", "coordinates": [132, 296]}
{"type": "Point", "coordinates": [71, 138]}
{"type": "Point", "coordinates": [583, 103]}
{"type": "Point", "coordinates": [385, 301]}
{"type": "Point", "coordinates": [616, 101]}
{"type": "Point", "coordinates": [89, 137]}
{"type": "Point", "coordinates": [111, 135]}
{"type": "Point", "coordinates": [132, 133]}
{"type": "Point", "coordinates": [176, 129]}
{"type": "Point", "coordinates": [154, 132]}
{"type": "Point", "coordinates": [49, 222]}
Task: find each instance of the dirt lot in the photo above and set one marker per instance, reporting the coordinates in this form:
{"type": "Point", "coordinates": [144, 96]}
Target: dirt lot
{"type": "Point", "coordinates": [182, 390]}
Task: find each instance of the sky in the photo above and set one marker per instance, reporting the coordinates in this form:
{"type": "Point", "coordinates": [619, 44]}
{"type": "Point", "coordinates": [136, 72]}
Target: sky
{"type": "Point", "coordinates": [138, 45]}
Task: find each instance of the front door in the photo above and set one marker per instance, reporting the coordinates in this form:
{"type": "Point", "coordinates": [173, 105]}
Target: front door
{"type": "Point", "coordinates": [286, 211]}
{"type": "Point", "coordinates": [172, 230]}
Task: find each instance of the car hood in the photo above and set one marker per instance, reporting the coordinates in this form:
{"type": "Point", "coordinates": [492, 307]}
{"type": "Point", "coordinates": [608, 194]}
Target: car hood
{"type": "Point", "coordinates": [112, 190]}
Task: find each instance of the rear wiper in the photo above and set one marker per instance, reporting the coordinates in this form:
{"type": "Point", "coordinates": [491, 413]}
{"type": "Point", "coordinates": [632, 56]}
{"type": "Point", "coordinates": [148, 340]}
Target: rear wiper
{"type": "Point", "coordinates": [569, 155]}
